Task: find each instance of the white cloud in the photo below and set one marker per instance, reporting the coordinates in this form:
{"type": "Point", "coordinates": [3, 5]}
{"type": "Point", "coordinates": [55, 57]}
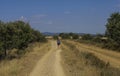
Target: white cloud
{"type": "Point", "coordinates": [67, 12]}
{"type": "Point", "coordinates": [49, 22]}
{"type": "Point", "coordinates": [40, 19]}
{"type": "Point", "coordinates": [39, 16]}
{"type": "Point", "coordinates": [36, 22]}
{"type": "Point", "coordinates": [42, 22]}
{"type": "Point", "coordinates": [22, 18]}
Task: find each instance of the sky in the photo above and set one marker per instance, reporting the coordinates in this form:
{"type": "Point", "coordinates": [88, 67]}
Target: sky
{"type": "Point", "coordinates": [80, 16]}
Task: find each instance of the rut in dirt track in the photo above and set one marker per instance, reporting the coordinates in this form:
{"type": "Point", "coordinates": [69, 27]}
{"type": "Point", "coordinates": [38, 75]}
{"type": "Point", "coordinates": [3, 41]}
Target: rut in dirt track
{"type": "Point", "coordinates": [50, 64]}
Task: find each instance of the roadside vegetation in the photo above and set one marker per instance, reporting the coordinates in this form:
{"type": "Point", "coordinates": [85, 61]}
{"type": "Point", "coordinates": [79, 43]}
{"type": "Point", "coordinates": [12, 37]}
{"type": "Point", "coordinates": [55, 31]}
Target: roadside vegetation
{"type": "Point", "coordinates": [24, 66]}
{"type": "Point", "coordinates": [20, 48]}
{"type": "Point", "coordinates": [69, 35]}
{"type": "Point", "coordinates": [109, 40]}
{"type": "Point", "coordinates": [15, 37]}
{"type": "Point", "coordinates": [81, 63]}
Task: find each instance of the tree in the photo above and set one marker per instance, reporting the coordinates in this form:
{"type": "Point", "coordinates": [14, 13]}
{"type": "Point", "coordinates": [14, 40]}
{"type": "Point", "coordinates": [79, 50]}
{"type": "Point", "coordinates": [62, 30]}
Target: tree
{"type": "Point", "coordinates": [3, 42]}
{"type": "Point", "coordinates": [64, 35]}
{"type": "Point", "coordinates": [98, 38]}
{"type": "Point", "coordinates": [18, 35]}
{"type": "Point", "coordinates": [55, 37]}
{"type": "Point", "coordinates": [87, 37]}
{"type": "Point", "coordinates": [74, 35]}
{"type": "Point", "coordinates": [113, 27]}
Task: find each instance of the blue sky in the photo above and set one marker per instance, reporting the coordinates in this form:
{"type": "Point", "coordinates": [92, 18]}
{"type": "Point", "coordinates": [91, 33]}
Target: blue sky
{"type": "Point", "coordinates": [84, 16]}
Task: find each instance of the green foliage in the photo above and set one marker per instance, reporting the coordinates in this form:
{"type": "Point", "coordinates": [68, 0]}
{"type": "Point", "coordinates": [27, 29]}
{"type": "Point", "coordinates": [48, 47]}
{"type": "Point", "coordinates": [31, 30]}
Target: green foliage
{"type": "Point", "coordinates": [113, 31]}
{"type": "Point", "coordinates": [74, 36]}
{"type": "Point", "coordinates": [55, 37]}
{"type": "Point", "coordinates": [87, 37]}
{"type": "Point", "coordinates": [110, 44]}
{"type": "Point", "coordinates": [64, 35]}
{"type": "Point", "coordinates": [69, 36]}
{"type": "Point", "coordinates": [17, 35]}
{"type": "Point", "coordinates": [98, 38]}
{"type": "Point", "coordinates": [113, 27]}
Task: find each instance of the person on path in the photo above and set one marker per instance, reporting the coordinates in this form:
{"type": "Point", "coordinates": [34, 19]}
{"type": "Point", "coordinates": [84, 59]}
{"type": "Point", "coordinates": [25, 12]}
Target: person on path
{"type": "Point", "coordinates": [58, 42]}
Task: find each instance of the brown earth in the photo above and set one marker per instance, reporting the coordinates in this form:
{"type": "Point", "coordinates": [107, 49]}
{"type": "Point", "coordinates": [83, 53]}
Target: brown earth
{"type": "Point", "coordinates": [50, 64]}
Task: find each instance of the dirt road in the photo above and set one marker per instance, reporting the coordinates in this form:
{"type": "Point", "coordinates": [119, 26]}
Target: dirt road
{"type": "Point", "coordinates": [50, 64]}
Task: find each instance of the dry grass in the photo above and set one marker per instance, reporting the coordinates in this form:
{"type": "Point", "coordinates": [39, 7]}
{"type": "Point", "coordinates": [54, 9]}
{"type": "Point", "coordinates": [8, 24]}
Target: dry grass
{"type": "Point", "coordinates": [24, 65]}
{"type": "Point", "coordinates": [74, 63]}
{"type": "Point", "coordinates": [9, 68]}
{"type": "Point", "coordinates": [100, 50]}
{"type": "Point", "coordinates": [82, 63]}
{"type": "Point", "coordinates": [112, 57]}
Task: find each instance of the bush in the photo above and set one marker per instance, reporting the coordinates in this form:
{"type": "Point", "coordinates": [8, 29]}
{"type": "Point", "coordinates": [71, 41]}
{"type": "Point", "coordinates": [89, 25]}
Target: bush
{"type": "Point", "coordinates": [87, 37]}
{"type": "Point", "coordinates": [113, 31]}
{"type": "Point", "coordinates": [69, 36]}
{"type": "Point", "coordinates": [64, 36]}
{"type": "Point", "coordinates": [113, 27]}
{"type": "Point", "coordinates": [18, 35]}
{"type": "Point", "coordinates": [75, 36]}
{"type": "Point", "coordinates": [93, 60]}
{"type": "Point", "coordinates": [55, 37]}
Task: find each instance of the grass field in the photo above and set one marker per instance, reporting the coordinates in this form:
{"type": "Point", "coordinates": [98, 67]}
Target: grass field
{"type": "Point", "coordinates": [76, 59]}
{"type": "Point", "coordinates": [83, 63]}
{"type": "Point", "coordinates": [24, 65]}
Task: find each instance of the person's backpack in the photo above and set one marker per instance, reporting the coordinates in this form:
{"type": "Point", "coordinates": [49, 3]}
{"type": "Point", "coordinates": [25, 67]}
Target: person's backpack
{"type": "Point", "coordinates": [58, 41]}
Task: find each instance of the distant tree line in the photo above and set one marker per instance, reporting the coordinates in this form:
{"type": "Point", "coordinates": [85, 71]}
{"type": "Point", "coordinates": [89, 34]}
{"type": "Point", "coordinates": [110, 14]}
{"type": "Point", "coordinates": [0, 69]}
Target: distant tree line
{"type": "Point", "coordinates": [17, 34]}
{"type": "Point", "coordinates": [111, 38]}
{"type": "Point", "coordinates": [69, 35]}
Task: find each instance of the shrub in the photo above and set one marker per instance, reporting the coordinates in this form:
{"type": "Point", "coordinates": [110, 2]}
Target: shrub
{"type": "Point", "coordinates": [18, 35]}
{"type": "Point", "coordinates": [87, 37]}
{"type": "Point", "coordinates": [64, 35]}
{"type": "Point", "coordinates": [55, 37]}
